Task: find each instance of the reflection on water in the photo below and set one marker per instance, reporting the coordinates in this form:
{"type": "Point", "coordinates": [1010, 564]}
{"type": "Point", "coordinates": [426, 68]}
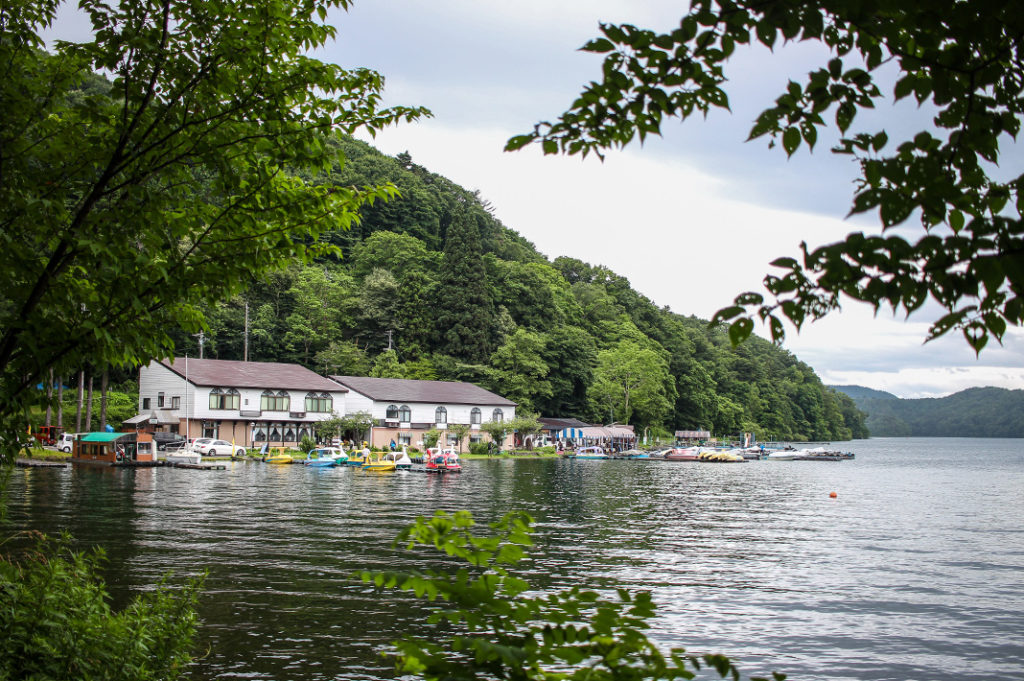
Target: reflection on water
{"type": "Point", "coordinates": [913, 571]}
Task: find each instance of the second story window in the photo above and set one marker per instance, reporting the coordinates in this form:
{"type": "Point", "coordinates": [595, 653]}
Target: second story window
{"type": "Point", "coordinates": [498, 416]}
{"type": "Point", "coordinates": [175, 402]}
{"type": "Point", "coordinates": [404, 413]}
{"type": "Point", "coordinates": [318, 403]}
{"type": "Point", "coordinates": [224, 399]}
{"type": "Point", "coordinates": [440, 415]}
{"type": "Point", "coordinates": [474, 416]}
{"type": "Point", "coordinates": [271, 401]}
{"type": "Point", "coordinates": [159, 400]}
{"type": "Point", "coordinates": [392, 412]}
{"type": "Point", "coordinates": [145, 402]}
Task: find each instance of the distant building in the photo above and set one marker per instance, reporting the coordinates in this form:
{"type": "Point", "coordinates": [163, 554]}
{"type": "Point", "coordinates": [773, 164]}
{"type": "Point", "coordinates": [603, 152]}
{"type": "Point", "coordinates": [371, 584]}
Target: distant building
{"type": "Point", "coordinates": [250, 403]}
{"type": "Point", "coordinates": [403, 409]}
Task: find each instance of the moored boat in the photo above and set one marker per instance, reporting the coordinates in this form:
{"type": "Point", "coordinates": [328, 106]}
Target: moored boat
{"type": "Point", "coordinates": [322, 457]}
{"type": "Point", "coordinates": [401, 459]}
{"type": "Point", "coordinates": [589, 453]}
{"type": "Point", "coordinates": [683, 454]}
{"type": "Point", "coordinates": [443, 461]}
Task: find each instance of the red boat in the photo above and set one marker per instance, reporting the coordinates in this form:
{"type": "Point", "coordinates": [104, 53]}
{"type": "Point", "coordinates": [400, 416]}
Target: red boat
{"type": "Point", "coordinates": [443, 461]}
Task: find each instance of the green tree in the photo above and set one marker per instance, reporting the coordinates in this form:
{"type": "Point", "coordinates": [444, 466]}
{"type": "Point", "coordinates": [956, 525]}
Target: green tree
{"type": "Point", "coordinates": [630, 380]}
{"type": "Point", "coordinates": [343, 358]}
{"type": "Point", "coordinates": [525, 423]}
{"type": "Point", "coordinates": [518, 371]}
{"type": "Point", "coordinates": [387, 366]}
{"type": "Point", "coordinates": [171, 185]}
{"type": "Point", "coordinates": [962, 61]}
{"type": "Point", "coordinates": [497, 430]}
{"type": "Point", "coordinates": [464, 322]}
{"type": "Point", "coordinates": [460, 431]}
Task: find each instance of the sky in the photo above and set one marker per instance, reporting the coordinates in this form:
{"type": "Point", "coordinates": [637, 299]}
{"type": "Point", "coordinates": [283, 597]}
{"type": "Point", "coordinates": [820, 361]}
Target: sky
{"type": "Point", "coordinates": [691, 219]}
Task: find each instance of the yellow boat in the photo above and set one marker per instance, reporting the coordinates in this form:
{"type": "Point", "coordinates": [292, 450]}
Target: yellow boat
{"type": "Point", "coordinates": [377, 464]}
{"type": "Point", "coordinates": [277, 455]}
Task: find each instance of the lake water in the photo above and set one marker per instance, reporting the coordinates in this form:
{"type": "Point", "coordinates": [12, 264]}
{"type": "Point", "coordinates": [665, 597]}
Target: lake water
{"type": "Point", "coordinates": [914, 571]}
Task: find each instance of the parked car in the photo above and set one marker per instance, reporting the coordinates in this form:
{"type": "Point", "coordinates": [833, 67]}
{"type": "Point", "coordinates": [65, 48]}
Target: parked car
{"type": "Point", "coordinates": [176, 446]}
{"type": "Point", "coordinates": [163, 439]}
{"type": "Point", "coordinates": [210, 447]}
{"type": "Point", "coordinates": [194, 443]}
{"type": "Point", "coordinates": [65, 442]}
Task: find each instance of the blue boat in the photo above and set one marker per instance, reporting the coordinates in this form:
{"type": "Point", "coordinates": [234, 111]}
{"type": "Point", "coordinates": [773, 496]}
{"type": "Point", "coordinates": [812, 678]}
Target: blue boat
{"type": "Point", "coordinates": [323, 457]}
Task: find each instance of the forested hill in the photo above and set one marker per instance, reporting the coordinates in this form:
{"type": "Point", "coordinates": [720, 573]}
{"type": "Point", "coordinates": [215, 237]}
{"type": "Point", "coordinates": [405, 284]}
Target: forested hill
{"type": "Point", "coordinates": [458, 296]}
{"type": "Point", "coordinates": [977, 412]}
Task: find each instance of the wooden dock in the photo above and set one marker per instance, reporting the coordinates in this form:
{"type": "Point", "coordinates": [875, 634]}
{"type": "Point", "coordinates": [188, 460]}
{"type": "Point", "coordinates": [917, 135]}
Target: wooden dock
{"type": "Point", "coordinates": [200, 466]}
{"type": "Point", "coordinates": [36, 463]}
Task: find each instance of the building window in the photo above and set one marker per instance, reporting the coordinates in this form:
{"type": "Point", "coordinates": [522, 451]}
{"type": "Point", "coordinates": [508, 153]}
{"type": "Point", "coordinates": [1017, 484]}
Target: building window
{"type": "Point", "coordinates": [474, 416]}
{"type": "Point", "coordinates": [259, 434]}
{"type": "Point", "coordinates": [404, 413]}
{"type": "Point", "coordinates": [440, 415]}
{"type": "Point", "coordinates": [224, 399]}
{"type": "Point", "coordinates": [404, 439]}
{"type": "Point", "coordinates": [210, 429]}
{"type": "Point", "coordinates": [318, 403]}
{"type": "Point", "coordinates": [145, 402]}
{"type": "Point", "coordinates": [392, 413]}
{"type": "Point", "coordinates": [159, 400]}
{"type": "Point", "coordinates": [271, 402]}
{"type": "Point", "coordinates": [498, 416]}
{"type": "Point", "coordinates": [175, 402]}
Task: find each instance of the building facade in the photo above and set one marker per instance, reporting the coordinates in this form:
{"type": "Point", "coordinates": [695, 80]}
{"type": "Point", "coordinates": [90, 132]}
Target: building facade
{"type": "Point", "coordinates": [248, 403]}
{"type": "Point", "coordinates": [404, 409]}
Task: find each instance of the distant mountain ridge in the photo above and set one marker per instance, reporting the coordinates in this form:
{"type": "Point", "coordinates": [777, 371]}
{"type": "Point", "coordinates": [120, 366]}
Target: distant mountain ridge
{"type": "Point", "coordinates": [975, 412]}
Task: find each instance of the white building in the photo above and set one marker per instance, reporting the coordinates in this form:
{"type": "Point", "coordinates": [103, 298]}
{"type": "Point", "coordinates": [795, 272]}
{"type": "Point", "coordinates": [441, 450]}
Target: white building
{"type": "Point", "coordinates": [250, 403]}
{"type": "Point", "coordinates": [403, 409]}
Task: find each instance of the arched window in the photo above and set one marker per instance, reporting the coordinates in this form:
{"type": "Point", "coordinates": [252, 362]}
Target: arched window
{"type": "Point", "coordinates": [224, 399]}
{"type": "Point", "coordinates": [318, 403]}
{"type": "Point", "coordinates": [440, 415]}
{"type": "Point", "coordinates": [289, 434]}
{"type": "Point", "coordinates": [498, 415]}
{"type": "Point", "coordinates": [392, 413]}
{"type": "Point", "coordinates": [271, 402]}
{"type": "Point", "coordinates": [474, 416]}
{"type": "Point", "coordinates": [404, 413]}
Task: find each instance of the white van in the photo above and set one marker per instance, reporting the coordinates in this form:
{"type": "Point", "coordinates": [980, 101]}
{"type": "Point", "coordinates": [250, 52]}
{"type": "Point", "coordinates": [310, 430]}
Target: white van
{"type": "Point", "coordinates": [65, 442]}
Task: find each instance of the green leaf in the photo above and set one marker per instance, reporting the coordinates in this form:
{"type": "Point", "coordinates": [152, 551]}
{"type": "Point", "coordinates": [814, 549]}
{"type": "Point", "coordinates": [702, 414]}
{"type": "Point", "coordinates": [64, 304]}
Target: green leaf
{"type": "Point", "coordinates": [790, 140]}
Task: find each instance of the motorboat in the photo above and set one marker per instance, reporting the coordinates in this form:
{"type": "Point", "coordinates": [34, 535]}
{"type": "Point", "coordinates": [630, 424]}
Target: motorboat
{"type": "Point", "coordinates": [683, 454]}
{"type": "Point", "coordinates": [590, 453]}
{"type": "Point", "coordinates": [184, 456]}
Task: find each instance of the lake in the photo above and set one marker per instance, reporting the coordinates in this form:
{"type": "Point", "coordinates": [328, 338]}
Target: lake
{"type": "Point", "coordinates": [915, 570]}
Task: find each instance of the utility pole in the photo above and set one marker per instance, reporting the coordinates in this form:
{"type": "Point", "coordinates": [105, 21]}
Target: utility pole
{"type": "Point", "coordinates": [389, 338]}
{"type": "Point", "coordinates": [202, 339]}
{"type": "Point", "coordinates": [245, 350]}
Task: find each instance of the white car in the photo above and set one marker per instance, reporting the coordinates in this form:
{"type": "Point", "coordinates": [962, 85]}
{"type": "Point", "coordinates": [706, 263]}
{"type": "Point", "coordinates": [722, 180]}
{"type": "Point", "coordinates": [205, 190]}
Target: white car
{"type": "Point", "coordinates": [208, 447]}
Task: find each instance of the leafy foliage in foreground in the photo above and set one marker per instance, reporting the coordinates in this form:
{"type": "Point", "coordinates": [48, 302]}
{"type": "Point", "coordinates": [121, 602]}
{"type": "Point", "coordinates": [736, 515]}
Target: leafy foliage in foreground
{"type": "Point", "coordinates": [963, 61]}
{"type": "Point", "coordinates": [56, 622]}
{"type": "Point", "coordinates": [490, 625]}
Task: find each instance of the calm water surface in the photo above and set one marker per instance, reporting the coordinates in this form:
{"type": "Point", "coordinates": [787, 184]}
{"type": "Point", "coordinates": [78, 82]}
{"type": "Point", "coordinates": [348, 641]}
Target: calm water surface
{"type": "Point", "coordinates": [914, 571]}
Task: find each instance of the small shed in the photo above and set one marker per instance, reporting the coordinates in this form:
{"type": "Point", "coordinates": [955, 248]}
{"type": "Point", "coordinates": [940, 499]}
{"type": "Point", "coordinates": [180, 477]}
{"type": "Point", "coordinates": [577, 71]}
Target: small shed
{"type": "Point", "coordinates": [114, 449]}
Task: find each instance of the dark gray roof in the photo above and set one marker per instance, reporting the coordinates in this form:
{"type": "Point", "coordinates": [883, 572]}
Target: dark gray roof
{"type": "Point", "coordinates": [408, 390]}
{"type": "Point", "coordinates": [558, 423]}
{"type": "Point", "coordinates": [223, 373]}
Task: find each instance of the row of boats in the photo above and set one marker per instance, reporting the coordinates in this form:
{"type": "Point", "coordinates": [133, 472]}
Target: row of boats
{"type": "Point", "coordinates": [434, 461]}
{"type": "Point", "coordinates": [715, 455]}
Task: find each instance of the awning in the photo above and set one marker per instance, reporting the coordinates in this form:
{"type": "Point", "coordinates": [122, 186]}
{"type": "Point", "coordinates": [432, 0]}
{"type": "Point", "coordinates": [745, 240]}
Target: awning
{"type": "Point", "coordinates": [164, 417]}
{"type": "Point", "coordinates": [103, 437]}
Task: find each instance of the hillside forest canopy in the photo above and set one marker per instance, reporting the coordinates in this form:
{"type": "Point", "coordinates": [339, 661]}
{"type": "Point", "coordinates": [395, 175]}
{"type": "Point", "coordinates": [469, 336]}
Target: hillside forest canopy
{"type": "Point", "coordinates": [430, 285]}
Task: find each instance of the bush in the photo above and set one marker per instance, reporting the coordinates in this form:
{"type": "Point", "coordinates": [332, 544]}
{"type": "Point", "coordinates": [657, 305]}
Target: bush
{"type": "Point", "coordinates": [56, 621]}
{"type": "Point", "coordinates": [549, 450]}
{"type": "Point", "coordinates": [307, 444]}
{"type": "Point", "coordinates": [491, 624]}
{"type": "Point", "coordinates": [479, 448]}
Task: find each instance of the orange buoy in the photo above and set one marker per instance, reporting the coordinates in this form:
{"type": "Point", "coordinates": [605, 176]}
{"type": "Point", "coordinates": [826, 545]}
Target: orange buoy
{"type": "Point", "coordinates": [832, 495]}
